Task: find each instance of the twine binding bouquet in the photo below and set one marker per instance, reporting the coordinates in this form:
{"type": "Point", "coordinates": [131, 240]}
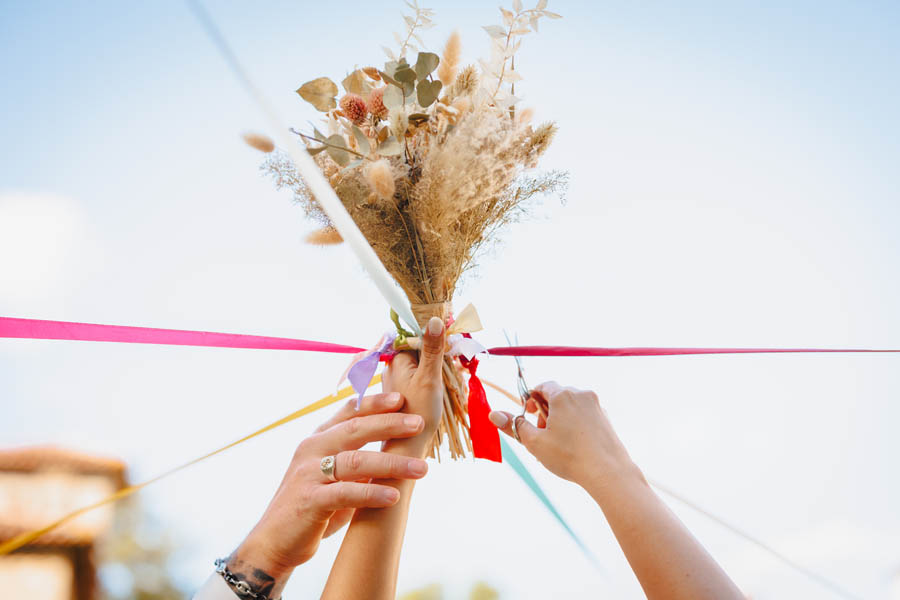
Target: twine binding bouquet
{"type": "Point", "coordinates": [430, 159]}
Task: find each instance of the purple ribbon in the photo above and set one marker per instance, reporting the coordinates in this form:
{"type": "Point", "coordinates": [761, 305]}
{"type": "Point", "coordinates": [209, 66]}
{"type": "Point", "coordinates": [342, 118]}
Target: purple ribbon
{"type": "Point", "coordinates": [362, 370]}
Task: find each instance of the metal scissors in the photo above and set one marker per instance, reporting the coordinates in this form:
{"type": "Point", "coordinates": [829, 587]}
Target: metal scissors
{"type": "Point", "coordinates": [523, 389]}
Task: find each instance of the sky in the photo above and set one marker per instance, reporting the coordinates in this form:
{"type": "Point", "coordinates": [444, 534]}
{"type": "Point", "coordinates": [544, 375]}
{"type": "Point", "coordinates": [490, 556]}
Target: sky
{"type": "Point", "coordinates": [733, 183]}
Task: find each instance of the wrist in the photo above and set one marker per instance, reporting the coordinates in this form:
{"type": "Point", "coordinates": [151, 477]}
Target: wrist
{"type": "Point", "coordinates": [613, 481]}
{"type": "Point", "coordinates": [254, 556]}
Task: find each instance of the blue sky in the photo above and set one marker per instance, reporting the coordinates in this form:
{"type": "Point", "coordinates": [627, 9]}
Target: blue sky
{"type": "Point", "coordinates": [734, 182]}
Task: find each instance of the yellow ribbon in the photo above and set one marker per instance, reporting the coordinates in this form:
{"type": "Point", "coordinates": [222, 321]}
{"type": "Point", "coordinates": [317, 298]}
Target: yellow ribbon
{"type": "Point", "coordinates": [29, 536]}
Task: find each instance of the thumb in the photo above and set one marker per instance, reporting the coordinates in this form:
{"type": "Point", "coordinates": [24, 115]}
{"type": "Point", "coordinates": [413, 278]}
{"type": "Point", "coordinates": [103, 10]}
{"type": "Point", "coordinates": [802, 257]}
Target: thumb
{"type": "Point", "coordinates": [431, 357]}
{"type": "Point", "coordinates": [528, 433]}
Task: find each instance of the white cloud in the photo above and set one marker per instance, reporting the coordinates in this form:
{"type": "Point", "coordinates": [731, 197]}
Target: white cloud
{"type": "Point", "coordinates": [45, 249]}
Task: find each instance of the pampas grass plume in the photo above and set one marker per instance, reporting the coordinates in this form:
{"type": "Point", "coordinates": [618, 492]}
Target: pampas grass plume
{"type": "Point", "coordinates": [380, 178]}
{"type": "Point", "coordinates": [465, 83]}
{"type": "Point", "coordinates": [327, 236]}
{"type": "Point", "coordinates": [259, 141]}
{"type": "Point", "coordinates": [450, 60]}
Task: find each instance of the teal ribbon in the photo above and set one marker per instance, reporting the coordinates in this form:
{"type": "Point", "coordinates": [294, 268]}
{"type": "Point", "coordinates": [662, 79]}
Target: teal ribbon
{"type": "Point", "coordinates": [510, 458]}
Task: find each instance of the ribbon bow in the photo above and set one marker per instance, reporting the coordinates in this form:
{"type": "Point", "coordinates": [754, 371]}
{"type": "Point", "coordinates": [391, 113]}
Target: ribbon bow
{"type": "Point", "coordinates": [458, 335]}
{"type": "Point", "coordinates": [362, 368]}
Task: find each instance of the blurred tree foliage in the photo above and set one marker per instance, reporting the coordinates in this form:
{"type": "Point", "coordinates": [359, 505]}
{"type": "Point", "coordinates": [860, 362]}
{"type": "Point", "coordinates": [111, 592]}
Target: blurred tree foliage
{"type": "Point", "coordinates": [134, 559]}
{"type": "Point", "coordinates": [480, 591]}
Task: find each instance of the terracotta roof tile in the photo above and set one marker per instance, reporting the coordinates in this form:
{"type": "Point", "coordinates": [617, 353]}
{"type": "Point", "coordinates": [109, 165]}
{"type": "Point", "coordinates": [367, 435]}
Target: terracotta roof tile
{"type": "Point", "coordinates": [40, 458]}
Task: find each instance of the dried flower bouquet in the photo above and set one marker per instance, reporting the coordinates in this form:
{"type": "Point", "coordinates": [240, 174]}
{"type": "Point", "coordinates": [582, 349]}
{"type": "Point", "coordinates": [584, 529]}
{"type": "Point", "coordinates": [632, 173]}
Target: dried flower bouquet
{"type": "Point", "coordinates": [430, 159]}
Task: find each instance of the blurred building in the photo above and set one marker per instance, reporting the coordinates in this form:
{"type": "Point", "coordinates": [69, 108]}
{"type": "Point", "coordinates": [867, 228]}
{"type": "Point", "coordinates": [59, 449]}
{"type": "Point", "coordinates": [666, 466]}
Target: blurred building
{"type": "Point", "coordinates": [38, 485]}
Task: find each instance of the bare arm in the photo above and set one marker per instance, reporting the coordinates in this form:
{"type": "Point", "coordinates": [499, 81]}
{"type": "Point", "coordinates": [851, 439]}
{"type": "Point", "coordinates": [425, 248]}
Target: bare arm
{"type": "Point", "coordinates": [367, 563]}
{"type": "Point", "coordinates": [308, 507]}
{"type": "Point", "coordinates": [579, 444]}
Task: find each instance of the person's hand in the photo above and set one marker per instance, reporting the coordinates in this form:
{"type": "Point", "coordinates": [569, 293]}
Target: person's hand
{"type": "Point", "coordinates": [576, 442]}
{"type": "Point", "coordinates": [308, 507]}
{"type": "Point", "coordinates": [420, 380]}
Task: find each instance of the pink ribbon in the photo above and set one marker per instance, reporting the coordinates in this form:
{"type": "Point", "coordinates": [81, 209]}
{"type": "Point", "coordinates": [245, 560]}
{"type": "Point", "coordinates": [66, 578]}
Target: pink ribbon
{"type": "Point", "coordinates": [37, 329]}
{"type": "Point", "coordinates": [588, 351]}
{"type": "Point", "coordinates": [64, 330]}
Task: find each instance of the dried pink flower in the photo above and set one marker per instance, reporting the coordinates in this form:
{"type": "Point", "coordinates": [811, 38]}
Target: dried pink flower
{"type": "Point", "coordinates": [376, 103]}
{"type": "Point", "coordinates": [354, 108]}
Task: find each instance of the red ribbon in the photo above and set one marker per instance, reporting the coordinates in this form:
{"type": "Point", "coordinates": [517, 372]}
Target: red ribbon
{"type": "Point", "coordinates": [485, 437]}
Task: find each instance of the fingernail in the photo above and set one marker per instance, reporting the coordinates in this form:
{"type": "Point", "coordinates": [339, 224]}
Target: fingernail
{"type": "Point", "coordinates": [435, 326]}
{"type": "Point", "coordinates": [418, 468]}
{"type": "Point", "coordinates": [412, 421]}
{"type": "Point", "coordinates": [498, 418]}
{"type": "Point", "coordinates": [392, 399]}
{"type": "Point", "coordinates": [390, 495]}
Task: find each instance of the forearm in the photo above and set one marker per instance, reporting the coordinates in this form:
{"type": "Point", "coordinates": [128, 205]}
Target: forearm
{"type": "Point", "coordinates": [366, 565]}
{"type": "Point", "coordinates": [667, 560]}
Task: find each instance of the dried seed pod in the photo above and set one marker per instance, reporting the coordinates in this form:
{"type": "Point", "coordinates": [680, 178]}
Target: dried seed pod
{"type": "Point", "coordinates": [259, 141]}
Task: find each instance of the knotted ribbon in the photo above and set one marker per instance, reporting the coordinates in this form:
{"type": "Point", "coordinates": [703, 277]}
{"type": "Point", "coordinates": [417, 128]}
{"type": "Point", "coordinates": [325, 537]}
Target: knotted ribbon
{"type": "Point", "coordinates": [485, 437]}
{"type": "Point", "coordinates": [363, 366]}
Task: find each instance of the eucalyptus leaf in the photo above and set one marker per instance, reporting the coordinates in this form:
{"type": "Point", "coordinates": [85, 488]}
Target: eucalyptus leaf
{"type": "Point", "coordinates": [407, 78]}
{"type": "Point", "coordinates": [337, 149]}
{"type": "Point", "coordinates": [352, 164]}
{"type": "Point", "coordinates": [390, 67]}
{"type": "Point", "coordinates": [390, 147]}
{"type": "Point", "coordinates": [393, 97]}
{"type": "Point", "coordinates": [357, 83]}
{"type": "Point", "coordinates": [428, 92]}
{"type": "Point", "coordinates": [405, 74]}
{"type": "Point", "coordinates": [320, 93]}
{"type": "Point", "coordinates": [389, 79]}
{"type": "Point", "coordinates": [426, 63]}
{"type": "Point", "coordinates": [361, 140]}
{"type": "Point", "coordinates": [314, 151]}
